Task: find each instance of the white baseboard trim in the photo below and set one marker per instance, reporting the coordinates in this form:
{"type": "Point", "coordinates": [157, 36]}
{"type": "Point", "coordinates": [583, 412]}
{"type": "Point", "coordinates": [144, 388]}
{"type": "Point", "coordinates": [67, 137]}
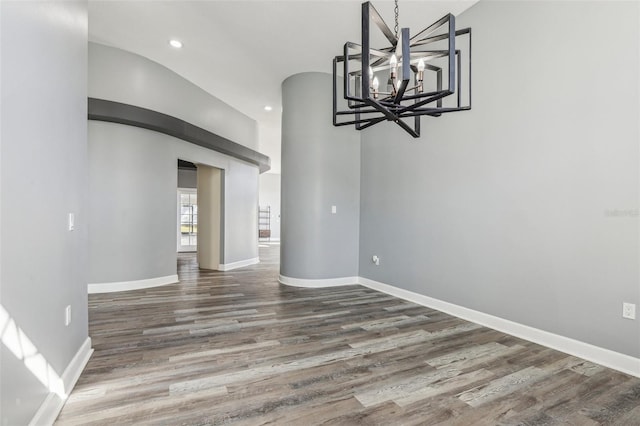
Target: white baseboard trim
{"type": "Point", "coordinates": [72, 373]}
{"type": "Point", "coordinates": [239, 264]}
{"type": "Point", "coordinates": [53, 403]}
{"type": "Point", "coordinates": [131, 285]}
{"type": "Point", "coordinates": [318, 283]}
{"type": "Point", "coordinates": [608, 358]}
{"type": "Point", "coordinates": [615, 360]}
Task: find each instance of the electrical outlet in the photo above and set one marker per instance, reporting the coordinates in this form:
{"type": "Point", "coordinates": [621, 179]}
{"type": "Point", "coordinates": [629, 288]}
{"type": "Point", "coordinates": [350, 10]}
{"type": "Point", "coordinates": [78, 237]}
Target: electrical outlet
{"type": "Point", "coordinates": [334, 209]}
{"type": "Point", "coordinates": [375, 259]}
{"type": "Point", "coordinates": [629, 310]}
{"type": "Point", "coordinates": [67, 315]}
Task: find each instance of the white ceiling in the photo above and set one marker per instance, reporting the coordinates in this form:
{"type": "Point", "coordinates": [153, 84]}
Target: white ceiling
{"type": "Point", "coordinates": [240, 51]}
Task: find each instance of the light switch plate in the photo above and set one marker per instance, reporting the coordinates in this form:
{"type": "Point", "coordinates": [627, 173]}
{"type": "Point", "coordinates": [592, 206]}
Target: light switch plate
{"type": "Point", "coordinates": [67, 315]}
{"type": "Point", "coordinates": [72, 222]}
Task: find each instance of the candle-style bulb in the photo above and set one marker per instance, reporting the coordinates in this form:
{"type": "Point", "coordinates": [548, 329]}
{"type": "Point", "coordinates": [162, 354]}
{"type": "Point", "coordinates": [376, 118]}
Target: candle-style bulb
{"type": "Point", "coordinates": [393, 64]}
{"type": "Point", "coordinates": [370, 73]}
{"type": "Point", "coordinates": [421, 68]}
{"type": "Point", "coordinates": [374, 85]}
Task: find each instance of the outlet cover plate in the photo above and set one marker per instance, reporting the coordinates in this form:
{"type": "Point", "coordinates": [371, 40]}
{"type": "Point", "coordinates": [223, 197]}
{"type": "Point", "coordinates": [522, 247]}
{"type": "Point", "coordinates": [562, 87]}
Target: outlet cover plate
{"type": "Point", "coordinates": [629, 310]}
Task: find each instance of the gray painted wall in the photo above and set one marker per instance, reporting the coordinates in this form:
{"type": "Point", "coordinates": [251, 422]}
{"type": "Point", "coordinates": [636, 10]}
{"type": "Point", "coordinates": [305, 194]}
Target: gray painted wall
{"type": "Point", "coordinates": [240, 219]}
{"type": "Point", "coordinates": [133, 205]}
{"type": "Point", "coordinates": [320, 168]}
{"type": "Point", "coordinates": [509, 209]}
{"type": "Point", "coordinates": [43, 178]}
{"type": "Point", "coordinates": [270, 196]}
{"type": "Point", "coordinates": [132, 79]}
{"type": "Point", "coordinates": [133, 171]}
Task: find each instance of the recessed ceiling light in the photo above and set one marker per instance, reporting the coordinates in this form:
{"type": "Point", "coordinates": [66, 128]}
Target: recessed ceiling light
{"type": "Point", "coordinates": [268, 108]}
{"type": "Point", "coordinates": [175, 43]}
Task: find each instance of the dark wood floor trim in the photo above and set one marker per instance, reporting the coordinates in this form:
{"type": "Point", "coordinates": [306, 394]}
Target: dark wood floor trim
{"type": "Point", "coordinates": [131, 115]}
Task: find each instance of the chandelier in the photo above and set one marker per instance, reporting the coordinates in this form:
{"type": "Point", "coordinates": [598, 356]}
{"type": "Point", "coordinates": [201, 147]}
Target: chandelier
{"type": "Point", "coordinates": [421, 73]}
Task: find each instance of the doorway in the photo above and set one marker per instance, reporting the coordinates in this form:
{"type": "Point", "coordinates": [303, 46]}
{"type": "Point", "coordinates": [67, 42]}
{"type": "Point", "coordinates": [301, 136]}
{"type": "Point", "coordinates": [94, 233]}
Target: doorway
{"type": "Point", "coordinates": [200, 213]}
{"type": "Point", "coordinates": [188, 219]}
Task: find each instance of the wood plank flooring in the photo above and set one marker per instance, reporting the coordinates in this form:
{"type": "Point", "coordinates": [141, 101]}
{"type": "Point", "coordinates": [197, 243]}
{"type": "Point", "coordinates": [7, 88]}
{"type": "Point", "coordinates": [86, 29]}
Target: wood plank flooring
{"type": "Point", "coordinates": [238, 348]}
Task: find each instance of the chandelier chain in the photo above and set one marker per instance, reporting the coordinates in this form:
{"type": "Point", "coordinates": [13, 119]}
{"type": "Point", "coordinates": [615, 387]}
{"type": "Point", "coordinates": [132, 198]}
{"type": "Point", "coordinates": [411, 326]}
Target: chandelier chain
{"type": "Point", "coordinates": [395, 10]}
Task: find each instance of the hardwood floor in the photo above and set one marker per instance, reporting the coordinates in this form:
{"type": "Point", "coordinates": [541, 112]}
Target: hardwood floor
{"type": "Point", "coordinates": [238, 348]}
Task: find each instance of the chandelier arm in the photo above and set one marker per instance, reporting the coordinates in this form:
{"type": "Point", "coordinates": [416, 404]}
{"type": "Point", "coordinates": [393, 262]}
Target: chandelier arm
{"type": "Point", "coordinates": [368, 122]}
{"type": "Point", "coordinates": [406, 127]}
{"type": "Point", "coordinates": [412, 107]}
{"type": "Point", "coordinates": [345, 57]}
{"type": "Point", "coordinates": [429, 40]}
{"type": "Point", "coordinates": [452, 52]}
{"type": "Point", "coordinates": [459, 75]}
{"type": "Point", "coordinates": [432, 68]}
{"type": "Point", "coordinates": [406, 72]}
{"type": "Point", "coordinates": [349, 112]}
{"type": "Point", "coordinates": [432, 53]}
{"type": "Point", "coordinates": [400, 92]}
{"type": "Point", "coordinates": [377, 19]}
{"type": "Point", "coordinates": [381, 53]}
{"type": "Point", "coordinates": [431, 28]}
{"type": "Point", "coordinates": [367, 9]}
{"type": "Point", "coordinates": [347, 95]}
{"type": "Point", "coordinates": [372, 122]}
{"type": "Point", "coordinates": [380, 61]}
{"type": "Point", "coordinates": [439, 37]}
{"type": "Point", "coordinates": [388, 114]}
{"type": "Point", "coordinates": [389, 103]}
{"type": "Point", "coordinates": [434, 111]}
{"type": "Point", "coordinates": [335, 89]}
{"type": "Point", "coordinates": [468, 30]}
{"type": "Point", "coordinates": [369, 13]}
{"type": "Point", "coordinates": [427, 94]}
{"type": "Point", "coordinates": [439, 90]}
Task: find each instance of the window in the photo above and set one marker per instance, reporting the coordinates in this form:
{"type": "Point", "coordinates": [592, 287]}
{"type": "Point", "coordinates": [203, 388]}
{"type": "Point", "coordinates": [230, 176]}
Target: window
{"type": "Point", "coordinates": [188, 220]}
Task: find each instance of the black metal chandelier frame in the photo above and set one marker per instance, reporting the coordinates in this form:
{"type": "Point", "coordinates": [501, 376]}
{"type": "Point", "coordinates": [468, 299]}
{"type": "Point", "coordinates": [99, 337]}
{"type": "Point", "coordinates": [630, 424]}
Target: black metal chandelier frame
{"type": "Point", "coordinates": [366, 106]}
